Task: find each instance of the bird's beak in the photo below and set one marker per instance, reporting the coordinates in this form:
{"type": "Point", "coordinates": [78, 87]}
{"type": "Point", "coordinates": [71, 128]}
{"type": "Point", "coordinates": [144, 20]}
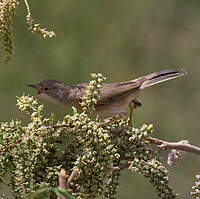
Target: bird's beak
{"type": "Point", "coordinates": [31, 85]}
{"type": "Point", "coordinates": [34, 86]}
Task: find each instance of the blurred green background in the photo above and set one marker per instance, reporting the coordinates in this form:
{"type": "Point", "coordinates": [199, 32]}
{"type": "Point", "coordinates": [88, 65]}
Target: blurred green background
{"type": "Point", "coordinates": [123, 40]}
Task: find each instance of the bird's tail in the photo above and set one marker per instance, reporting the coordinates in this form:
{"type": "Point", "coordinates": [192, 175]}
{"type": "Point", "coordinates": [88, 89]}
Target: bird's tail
{"type": "Point", "coordinates": [161, 76]}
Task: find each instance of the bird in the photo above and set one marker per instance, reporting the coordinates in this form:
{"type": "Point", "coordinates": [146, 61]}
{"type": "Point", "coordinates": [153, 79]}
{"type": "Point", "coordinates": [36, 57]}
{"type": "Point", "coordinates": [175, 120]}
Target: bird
{"type": "Point", "coordinates": [114, 98]}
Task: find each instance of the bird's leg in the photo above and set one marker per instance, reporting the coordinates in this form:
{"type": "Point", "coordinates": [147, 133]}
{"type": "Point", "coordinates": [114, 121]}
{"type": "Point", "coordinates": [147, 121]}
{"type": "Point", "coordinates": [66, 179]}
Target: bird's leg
{"type": "Point", "coordinates": [132, 106]}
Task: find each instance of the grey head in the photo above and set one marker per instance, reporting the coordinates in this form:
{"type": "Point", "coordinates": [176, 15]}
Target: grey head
{"type": "Point", "coordinates": [52, 90]}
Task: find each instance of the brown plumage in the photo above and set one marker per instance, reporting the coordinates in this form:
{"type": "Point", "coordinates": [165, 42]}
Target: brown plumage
{"type": "Point", "coordinates": [114, 97]}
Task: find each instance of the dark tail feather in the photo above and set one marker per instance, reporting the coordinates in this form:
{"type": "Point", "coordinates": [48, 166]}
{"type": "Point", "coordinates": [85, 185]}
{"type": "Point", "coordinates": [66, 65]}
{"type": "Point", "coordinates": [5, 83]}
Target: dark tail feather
{"type": "Point", "coordinates": [161, 76]}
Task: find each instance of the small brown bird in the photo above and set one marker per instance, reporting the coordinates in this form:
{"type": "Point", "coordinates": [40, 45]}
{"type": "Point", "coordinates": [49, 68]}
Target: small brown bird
{"type": "Point", "coordinates": [114, 97]}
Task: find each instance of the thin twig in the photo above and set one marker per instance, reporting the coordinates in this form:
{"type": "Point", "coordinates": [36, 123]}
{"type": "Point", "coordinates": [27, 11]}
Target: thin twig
{"type": "Point", "coordinates": [118, 131]}
{"type": "Point", "coordinates": [27, 6]}
{"type": "Point", "coordinates": [63, 182]}
{"type": "Point", "coordinates": [164, 145]}
{"type": "Point", "coordinates": [121, 167]}
{"type": "Point", "coordinates": [11, 145]}
{"type": "Point", "coordinates": [57, 126]}
{"type": "Point", "coordinates": [62, 179]}
{"type": "Point", "coordinates": [71, 177]}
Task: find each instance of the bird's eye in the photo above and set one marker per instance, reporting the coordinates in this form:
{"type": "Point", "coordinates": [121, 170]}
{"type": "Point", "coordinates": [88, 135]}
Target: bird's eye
{"type": "Point", "coordinates": [46, 88]}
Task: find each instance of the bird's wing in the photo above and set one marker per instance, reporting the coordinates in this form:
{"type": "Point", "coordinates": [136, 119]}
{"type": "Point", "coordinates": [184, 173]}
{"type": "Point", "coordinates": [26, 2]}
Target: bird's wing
{"type": "Point", "coordinates": [109, 93]}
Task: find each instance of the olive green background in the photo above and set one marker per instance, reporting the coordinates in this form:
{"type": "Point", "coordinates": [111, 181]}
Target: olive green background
{"type": "Point", "coordinates": [123, 39]}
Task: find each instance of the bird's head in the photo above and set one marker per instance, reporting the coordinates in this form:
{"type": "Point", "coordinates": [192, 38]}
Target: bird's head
{"type": "Point", "coordinates": [52, 90]}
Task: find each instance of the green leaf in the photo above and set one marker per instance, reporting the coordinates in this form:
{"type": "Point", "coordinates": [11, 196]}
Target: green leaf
{"type": "Point", "coordinates": [41, 193]}
{"type": "Point", "coordinates": [47, 193]}
{"type": "Point", "coordinates": [74, 110]}
{"type": "Point", "coordinates": [62, 192]}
